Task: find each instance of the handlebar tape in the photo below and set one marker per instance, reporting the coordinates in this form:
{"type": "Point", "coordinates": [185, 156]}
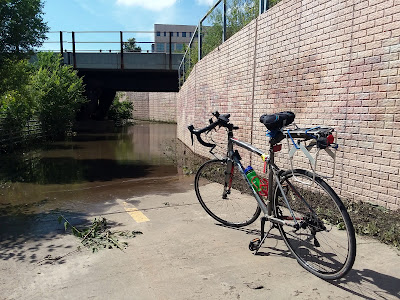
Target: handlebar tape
{"type": "Point", "coordinates": [198, 132]}
{"type": "Point", "coordinates": [222, 120]}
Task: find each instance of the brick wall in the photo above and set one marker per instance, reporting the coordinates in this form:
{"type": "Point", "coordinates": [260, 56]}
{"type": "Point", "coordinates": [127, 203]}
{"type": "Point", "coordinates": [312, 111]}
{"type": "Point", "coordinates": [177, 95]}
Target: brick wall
{"type": "Point", "coordinates": [153, 106]}
{"type": "Point", "coordinates": [140, 105]}
{"type": "Point", "coordinates": [332, 62]}
{"type": "Point", "coordinates": [162, 107]}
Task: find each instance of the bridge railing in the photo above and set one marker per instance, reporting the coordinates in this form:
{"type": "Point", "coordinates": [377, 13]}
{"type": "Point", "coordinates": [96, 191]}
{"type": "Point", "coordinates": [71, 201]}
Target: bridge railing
{"type": "Point", "coordinates": [117, 42]}
{"type": "Point", "coordinates": [223, 20]}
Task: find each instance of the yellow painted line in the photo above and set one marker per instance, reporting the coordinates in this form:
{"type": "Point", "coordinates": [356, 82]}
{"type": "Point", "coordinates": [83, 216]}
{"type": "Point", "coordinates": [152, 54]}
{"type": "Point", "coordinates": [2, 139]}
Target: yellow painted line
{"type": "Point", "coordinates": [136, 214]}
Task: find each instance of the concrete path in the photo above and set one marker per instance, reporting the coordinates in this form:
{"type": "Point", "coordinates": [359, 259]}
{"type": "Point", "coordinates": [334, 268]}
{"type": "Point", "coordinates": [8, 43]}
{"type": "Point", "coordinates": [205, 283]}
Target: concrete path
{"type": "Point", "coordinates": [182, 254]}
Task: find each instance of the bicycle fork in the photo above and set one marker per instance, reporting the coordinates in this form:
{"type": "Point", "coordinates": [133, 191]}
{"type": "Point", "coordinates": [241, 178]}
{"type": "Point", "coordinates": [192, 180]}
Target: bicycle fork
{"type": "Point", "coordinates": [228, 179]}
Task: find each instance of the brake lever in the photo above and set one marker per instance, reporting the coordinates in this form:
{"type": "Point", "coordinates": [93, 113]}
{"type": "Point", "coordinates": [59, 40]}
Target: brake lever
{"type": "Point", "coordinates": [216, 114]}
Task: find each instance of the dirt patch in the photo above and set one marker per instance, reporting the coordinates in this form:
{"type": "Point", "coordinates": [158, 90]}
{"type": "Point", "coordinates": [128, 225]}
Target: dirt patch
{"type": "Point", "coordinates": [375, 221]}
{"type": "Point", "coordinates": [368, 219]}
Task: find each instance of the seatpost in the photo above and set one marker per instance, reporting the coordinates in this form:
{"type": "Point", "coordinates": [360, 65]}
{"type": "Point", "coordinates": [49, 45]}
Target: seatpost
{"type": "Point", "coordinates": [230, 144]}
{"type": "Point", "coordinates": [270, 180]}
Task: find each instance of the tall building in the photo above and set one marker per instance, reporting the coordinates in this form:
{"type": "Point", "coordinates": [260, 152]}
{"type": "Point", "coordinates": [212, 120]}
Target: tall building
{"type": "Point", "coordinates": [180, 36]}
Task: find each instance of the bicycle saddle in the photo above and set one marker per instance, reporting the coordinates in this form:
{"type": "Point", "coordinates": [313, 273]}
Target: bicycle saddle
{"type": "Point", "coordinates": [278, 120]}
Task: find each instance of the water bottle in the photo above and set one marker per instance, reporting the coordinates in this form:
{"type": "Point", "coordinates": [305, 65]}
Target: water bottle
{"type": "Point", "coordinates": [253, 178]}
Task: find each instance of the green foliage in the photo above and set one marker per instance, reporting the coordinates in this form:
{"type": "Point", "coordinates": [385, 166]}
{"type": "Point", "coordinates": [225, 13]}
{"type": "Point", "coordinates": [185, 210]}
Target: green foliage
{"type": "Point", "coordinates": [191, 58]}
{"type": "Point", "coordinates": [16, 99]}
{"type": "Point", "coordinates": [98, 236]}
{"type": "Point", "coordinates": [48, 89]}
{"type": "Point", "coordinates": [59, 91]}
{"type": "Point", "coordinates": [213, 35]}
{"type": "Point", "coordinates": [130, 46]}
{"type": "Point", "coordinates": [15, 111]}
{"type": "Point", "coordinates": [375, 221]}
{"type": "Point", "coordinates": [238, 14]}
{"type": "Point", "coordinates": [14, 74]}
{"type": "Point", "coordinates": [120, 110]}
{"type": "Point", "coordinates": [21, 27]}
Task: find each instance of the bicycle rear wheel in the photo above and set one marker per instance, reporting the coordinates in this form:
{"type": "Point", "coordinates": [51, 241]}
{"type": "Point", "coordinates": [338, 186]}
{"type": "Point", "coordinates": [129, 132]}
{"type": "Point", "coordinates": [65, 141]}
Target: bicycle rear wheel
{"type": "Point", "coordinates": [225, 195]}
{"type": "Point", "coordinates": [324, 244]}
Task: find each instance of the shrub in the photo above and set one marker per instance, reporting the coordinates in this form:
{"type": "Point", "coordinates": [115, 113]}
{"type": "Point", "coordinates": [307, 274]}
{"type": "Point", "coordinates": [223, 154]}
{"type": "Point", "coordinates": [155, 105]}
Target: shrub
{"type": "Point", "coordinates": [120, 110]}
{"type": "Point", "coordinates": [59, 93]}
{"type": "Point", "coordinates": [16, 99]}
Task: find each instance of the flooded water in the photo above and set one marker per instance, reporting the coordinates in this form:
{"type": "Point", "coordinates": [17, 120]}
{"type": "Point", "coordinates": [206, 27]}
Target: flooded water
{"type": "Point", "coordinates": [89, 171]}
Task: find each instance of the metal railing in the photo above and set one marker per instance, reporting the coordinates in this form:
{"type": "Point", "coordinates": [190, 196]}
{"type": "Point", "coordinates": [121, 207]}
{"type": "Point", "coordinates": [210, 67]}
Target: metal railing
{"type": "Point", "coordinates": [226, 21]}
{"type": "Point", "coordinates": [120, 42]}
{"type": "Point", "coordinates": [30, 133]}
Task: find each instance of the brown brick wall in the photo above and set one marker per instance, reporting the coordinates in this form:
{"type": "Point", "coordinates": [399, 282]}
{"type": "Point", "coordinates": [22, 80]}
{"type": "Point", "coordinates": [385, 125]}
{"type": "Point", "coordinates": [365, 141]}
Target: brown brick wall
{"type": "Point", "coordinates": [153, 106]}
{"type": "Point", "coordinates": [334, 63]}
{"type": "Point", "coordinates": [140, 105]}
{"type": "Point", "coordinates": [162, 107]}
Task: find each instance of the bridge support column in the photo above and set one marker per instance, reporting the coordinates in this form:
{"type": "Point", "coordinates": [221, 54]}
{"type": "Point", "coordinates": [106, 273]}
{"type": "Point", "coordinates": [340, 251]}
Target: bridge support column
{"type": "Point", "coordinates": [106, 98]}
{"type": "Point", "coordinates": [99, 103]}
{"type": "Point", "coordinates": [88, 109]}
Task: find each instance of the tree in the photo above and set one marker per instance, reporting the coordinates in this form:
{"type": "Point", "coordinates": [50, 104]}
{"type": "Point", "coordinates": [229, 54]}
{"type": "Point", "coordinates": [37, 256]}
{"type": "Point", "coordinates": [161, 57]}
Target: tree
{"type": "Point", "coordinates": [59, 93]}
{"type": "Point", "coordinates": [17, 102]}
{"type": "Point", "coordinates": [21, 27]}
{"type": "Point", "coordinates": [130, 46]}
{"type": "Point", "coordinates": [120, 110]}
{"type": "Point", "coordinates": [239, 13]}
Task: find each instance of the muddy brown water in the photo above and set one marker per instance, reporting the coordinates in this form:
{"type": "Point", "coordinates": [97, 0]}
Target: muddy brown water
{"type": "Point", "coordinates": [85, 175]}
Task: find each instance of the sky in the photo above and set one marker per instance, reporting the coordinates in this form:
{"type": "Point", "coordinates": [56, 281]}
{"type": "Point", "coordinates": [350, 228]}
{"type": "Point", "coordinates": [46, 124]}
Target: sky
{"type": "Point", "coordinates": [117, 15]}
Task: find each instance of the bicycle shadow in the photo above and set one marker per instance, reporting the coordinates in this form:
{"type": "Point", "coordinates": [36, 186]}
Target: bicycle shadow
{"type": "Point", "coordinates": [369, 284]}
{"type": "Point", "coordinates": [366, 284]}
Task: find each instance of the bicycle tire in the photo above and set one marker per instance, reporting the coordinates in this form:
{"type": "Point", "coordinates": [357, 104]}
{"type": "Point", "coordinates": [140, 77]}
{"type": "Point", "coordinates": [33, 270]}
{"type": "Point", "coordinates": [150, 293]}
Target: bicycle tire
{"type": "Point", "coordinates": [238, 208]}
{"type": "Point", "coordinates": [325, 243]}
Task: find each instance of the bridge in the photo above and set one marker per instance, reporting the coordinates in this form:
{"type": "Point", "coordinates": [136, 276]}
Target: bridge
{"type": "Point", "coordinates": [121, 67]}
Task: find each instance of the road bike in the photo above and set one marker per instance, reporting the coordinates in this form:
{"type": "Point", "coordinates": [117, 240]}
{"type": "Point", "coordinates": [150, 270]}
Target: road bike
{"type": "Point", "coordinates": [310, 216]}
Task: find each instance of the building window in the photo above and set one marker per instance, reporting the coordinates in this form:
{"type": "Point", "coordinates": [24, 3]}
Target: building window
{"type": "Point", "coordinates": [165, 33]}
{"type": "Point", "coordinates": [190, 34]}
{"type": "Point", "coordinates": [172, 34]}
{"type": "Point", "coordinates": [177, 34]}
{"type": "Point", "coordinates": [179, 47]}
{"type": "Point", "coordinates": [183, 34]}
{"type": "Point", "coordinates": [160, 47]}
{"type": "Point", "coordinates": [158, 33]}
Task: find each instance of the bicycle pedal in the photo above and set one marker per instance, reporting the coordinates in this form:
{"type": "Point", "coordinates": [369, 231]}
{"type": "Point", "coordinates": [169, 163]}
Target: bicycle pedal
{"type": "Point", "coordinates": [254, 244]}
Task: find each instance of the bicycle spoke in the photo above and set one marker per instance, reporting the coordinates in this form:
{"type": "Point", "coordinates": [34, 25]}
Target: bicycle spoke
{"type": "Point", "coordinates": [238, 208]}
{"type": "Point", "coordinates": [318, 244]}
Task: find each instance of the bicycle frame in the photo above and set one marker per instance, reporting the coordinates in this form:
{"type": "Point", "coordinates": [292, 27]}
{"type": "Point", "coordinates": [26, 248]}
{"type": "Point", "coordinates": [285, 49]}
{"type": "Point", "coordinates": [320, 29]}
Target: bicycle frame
{"type": "Point", "coordinates": [303, 226]}
{"type": "Point", "coordinates": [272, 178]}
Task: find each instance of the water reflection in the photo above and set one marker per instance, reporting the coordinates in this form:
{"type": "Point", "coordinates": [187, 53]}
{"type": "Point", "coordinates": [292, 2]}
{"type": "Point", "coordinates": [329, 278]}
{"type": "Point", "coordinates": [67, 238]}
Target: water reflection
{"type": "Point", "coordinates": [90, 167]}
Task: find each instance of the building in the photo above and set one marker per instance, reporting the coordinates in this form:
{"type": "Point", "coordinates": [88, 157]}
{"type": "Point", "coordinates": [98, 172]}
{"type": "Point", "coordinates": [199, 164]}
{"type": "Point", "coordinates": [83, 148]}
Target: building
{"type": "Point", "coordinates": [180, 36]}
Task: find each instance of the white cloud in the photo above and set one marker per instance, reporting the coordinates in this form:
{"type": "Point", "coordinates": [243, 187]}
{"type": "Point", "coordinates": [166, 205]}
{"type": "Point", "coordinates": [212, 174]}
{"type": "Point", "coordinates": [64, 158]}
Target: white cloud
{"type": "Point", "coordinates": [206, 2]}
{"type": "Point", "coordinates": [155, 5]}
{"type": "Point", "coordinates": [88, 8]}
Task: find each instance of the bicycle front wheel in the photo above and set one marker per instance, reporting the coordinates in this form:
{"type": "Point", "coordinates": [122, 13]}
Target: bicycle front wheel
{"type": "Point", "coordinates": [225, 195]}
{"type": "Point", "coordinates": [324, 241]}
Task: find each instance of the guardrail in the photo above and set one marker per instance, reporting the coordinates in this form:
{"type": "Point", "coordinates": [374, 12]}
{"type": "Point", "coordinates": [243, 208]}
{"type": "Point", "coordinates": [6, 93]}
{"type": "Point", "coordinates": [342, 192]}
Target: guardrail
{"type": "Point", "coordinates": [226, 18]}
{"type": "Point", "coordinates": [119, 42]}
